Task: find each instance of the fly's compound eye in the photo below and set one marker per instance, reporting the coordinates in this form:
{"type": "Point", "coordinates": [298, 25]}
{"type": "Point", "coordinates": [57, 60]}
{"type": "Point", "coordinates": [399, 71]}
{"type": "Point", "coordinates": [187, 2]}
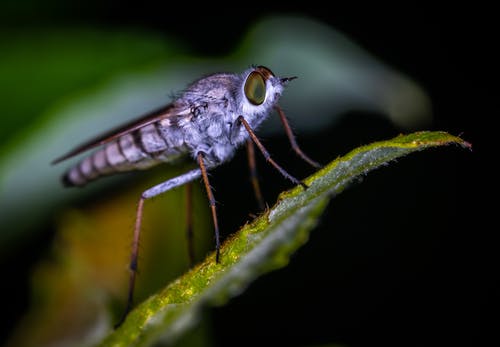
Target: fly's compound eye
{"type": "Point", "coordinates": [255, 88]}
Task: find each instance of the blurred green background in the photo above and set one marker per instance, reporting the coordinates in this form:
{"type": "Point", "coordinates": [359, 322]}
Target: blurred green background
{"type": "Point", "coordinates": [410, 273]}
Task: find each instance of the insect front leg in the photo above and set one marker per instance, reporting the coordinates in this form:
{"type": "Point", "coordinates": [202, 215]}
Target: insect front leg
{"type": "Point", "coordinates": [147, 194]}
{"type": "Point", "coordinates": [293, 142]}
{"type": "Point", "coordinates": [266, 154]}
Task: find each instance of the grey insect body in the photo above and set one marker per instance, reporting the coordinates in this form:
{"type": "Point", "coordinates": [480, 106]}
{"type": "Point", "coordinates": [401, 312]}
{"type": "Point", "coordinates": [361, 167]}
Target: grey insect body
{"type": "Point", "coordinates": [208, 121]}
{"type": "Point", "coordinates": [202, 119]}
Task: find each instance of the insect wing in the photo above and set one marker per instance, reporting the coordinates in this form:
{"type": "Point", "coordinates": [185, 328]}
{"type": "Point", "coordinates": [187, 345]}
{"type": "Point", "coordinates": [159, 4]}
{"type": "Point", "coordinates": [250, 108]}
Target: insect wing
{"type": "Point", "coordinates": [154, 116]}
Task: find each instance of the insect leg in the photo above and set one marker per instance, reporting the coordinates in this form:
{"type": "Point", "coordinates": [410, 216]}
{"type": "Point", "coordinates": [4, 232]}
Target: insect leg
{"type": "Point", "coordinates": [211, 200]}
{"type": "Point", "coordinates": [189, 222]}
{"type": "Point", "coordinates": [147, 194]}
{"type": "Point", "coordinates": [253, 174]}
{"type": "Point", "coordinates": [266, 154]}
{"type": "Point", "coordinates": [293, 142]}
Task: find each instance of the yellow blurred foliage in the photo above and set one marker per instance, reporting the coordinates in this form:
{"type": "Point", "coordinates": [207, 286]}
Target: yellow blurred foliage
{"type": "Point", "coordinates": [79, 293]}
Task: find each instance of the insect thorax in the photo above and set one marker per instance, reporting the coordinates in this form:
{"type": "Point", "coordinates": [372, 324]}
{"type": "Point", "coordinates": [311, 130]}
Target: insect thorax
{"type": "Point", "coordinates": [212, 125]}
{"type": "Point", "coordinates": [212, 129]}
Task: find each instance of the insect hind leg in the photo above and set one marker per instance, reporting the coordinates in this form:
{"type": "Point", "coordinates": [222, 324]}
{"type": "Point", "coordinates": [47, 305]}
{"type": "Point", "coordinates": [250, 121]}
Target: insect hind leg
{"type": "Point", "coordinates": [147, 194]}
{"type": "Point", "coordinates": [189, 222]}
{"type": "Point", "coordinates": [211, 201]}
{"type": "Point", "coordinates": [254, 179]}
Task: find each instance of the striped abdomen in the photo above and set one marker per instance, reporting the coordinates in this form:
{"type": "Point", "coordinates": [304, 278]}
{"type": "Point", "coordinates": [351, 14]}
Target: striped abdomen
{"type": "Point", "coordinates": [140, 149]}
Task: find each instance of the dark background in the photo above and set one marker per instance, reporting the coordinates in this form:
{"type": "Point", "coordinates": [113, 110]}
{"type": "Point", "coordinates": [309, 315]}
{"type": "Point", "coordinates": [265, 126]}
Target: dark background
{"type": "Point", "coordinates": [404, 258]}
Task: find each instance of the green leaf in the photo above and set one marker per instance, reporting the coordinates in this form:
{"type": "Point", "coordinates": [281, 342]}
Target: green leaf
{"type": "Point", "coordinates": [261, 246]}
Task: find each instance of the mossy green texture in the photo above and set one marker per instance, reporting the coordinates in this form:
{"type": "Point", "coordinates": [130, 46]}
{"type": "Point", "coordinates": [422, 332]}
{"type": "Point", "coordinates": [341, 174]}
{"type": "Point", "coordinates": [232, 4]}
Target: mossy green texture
{"type": "Point", "coordinates": [260, 246]}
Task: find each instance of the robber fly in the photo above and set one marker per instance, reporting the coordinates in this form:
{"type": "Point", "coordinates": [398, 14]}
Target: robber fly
{"type": "Point", "coordinates": [209, 120]}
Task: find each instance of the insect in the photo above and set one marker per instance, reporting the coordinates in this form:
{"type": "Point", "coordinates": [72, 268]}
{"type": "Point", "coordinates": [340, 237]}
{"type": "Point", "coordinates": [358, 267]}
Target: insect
{"type": "Point", "coordinates": [208, 121]}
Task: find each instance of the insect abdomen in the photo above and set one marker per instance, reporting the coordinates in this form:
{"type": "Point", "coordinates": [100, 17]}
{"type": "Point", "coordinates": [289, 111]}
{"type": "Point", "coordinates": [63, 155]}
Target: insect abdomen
{"type": "Point", "coordinates": [139, 149]}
